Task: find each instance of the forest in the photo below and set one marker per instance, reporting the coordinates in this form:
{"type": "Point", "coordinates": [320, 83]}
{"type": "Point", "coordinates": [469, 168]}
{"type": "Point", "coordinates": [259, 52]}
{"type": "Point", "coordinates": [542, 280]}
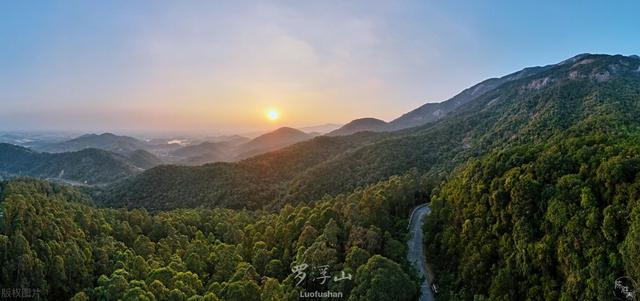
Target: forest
{"type": "Point", "coordinates": [547, 220]}
{"type": "Point", "coordinates": [54, 240]}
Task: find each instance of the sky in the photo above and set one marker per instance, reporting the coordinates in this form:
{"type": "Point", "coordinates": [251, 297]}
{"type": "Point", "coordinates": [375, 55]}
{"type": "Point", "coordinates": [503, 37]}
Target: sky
{"type": "Point", "coordinates": [219, 66]}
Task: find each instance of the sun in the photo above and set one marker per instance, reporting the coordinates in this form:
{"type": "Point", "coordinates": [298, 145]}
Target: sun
{"type": "Point", "coordinates": [273, 115]}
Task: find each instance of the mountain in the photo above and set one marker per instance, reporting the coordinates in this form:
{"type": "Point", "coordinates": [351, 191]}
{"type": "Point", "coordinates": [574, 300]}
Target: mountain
{"type": "Point", "coordinates": [551, 213]}
{"type": "Point", "coordinates": [106, 141]}
{"type": "Point", "coordinates": [321, 129]}
{"type": "Point", "coordinates": [88, 166]}
{"type": "Point", "coordinates": [434, 111]}
{"type": "Point", "coordinates": [234, 148]}
{"type": "Point", "coordinates": [34, 140]}
{"type": "Point", "coordinates": [431, 112]}
{"type": "Point", "coordinates": [206, 152]}
{"type": "Point", "coordinates": [360, 125]}
{"type": "Point", "coordinates": [279, 138]}
{"type": "Point", "coordinates": [143, 159]}
{"type": "Point", "coordinates": [531, 106]}
{"type": "Point", "coordinates": [250, 183]}
{"type": "Point", "coordinates": [231, 139]}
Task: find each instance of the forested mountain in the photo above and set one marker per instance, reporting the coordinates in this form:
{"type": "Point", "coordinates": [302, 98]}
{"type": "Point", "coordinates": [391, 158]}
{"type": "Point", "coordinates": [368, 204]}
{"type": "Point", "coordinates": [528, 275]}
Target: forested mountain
{"type": "Point", "coordinates": [88, 166]}
{"type": "Point", "coordinates": [554, 214]}
{"type": "Point", "coordinates": [277, 139]}
{"type": "Point", "coordinates": [205, 152]}
{"type": "Point", "coordinates": [434, 111]}
{"type": "Point", "coordinates": [252, 183]}
{"type": "Point", "coordinates": [106, 141]}
{"type": "Point", "coordinates": [531, 106]}
{"type": "Point", "coordinates": [360, 125]}
{"type": "Point", "coordinates": [143, 159]}
{"type": "Point", "coordinates": [237, 148]}
{"type": "Point", "coordinates": [53, 241]}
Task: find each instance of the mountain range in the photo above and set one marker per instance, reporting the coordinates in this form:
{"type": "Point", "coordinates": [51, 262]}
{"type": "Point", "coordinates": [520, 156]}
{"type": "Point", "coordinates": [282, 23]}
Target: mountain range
{"type": "Point", "coordinates": [106, 141]}
{"type": "Point", "coordinates": [530, 104]}
{"type": "Point", "coordinates": [532, 182]}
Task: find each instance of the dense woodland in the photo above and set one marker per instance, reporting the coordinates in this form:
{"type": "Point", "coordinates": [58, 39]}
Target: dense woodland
{"type": "Point", "coordinates": [52, 238]}
{"type": "Point", "coordinates": [553, 215]}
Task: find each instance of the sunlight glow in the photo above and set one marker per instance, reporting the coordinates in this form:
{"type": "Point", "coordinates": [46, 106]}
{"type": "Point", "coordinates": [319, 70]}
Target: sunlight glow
{"type": "Point", "coordinates": [273, 115]}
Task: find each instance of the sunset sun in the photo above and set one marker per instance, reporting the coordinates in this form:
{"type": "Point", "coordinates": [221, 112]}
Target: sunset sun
{"type": "Point", "coordinates": [273, 115]}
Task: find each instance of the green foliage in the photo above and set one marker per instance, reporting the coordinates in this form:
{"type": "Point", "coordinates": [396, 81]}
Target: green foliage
{"type": "Point", "coordinates": [53, 239]}
{"type": "Point", "coordinates": [252, 183]}
{"type": "Point", "coordinates": [382, 279]}
{"type": "Point", "coordinates": [549, 220]}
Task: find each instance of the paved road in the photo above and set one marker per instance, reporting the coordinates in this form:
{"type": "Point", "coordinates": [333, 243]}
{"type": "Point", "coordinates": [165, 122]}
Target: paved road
{"type": "Point", "coordinates": [416, 254]}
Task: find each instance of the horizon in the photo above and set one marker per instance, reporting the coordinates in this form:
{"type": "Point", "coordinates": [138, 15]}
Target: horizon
{"type": "Point", "coordinates": [185, 68]}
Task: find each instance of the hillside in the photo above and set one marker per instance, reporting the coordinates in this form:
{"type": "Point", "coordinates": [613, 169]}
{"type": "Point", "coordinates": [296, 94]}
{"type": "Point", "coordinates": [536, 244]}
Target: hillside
{"type": "Point", "coordinates": [143, 159]}
{"type": "Point", "coordinates": [529, 108]}
{"type": "Point", "coordinates": [250, 183]}
{"type": "Point", "coordinates": [106, 141]}
{"type": "Point", "coordinates": [430, 112]}
{"type": "Point", "coordinates": [359, 125]}
{"type": "Point", "coordinates": [88, 166]}
{"type": "Point", "coordinates": [205, 152]}
{"type": "Point", "coordinates": [553, 214]}
{"type": "Point", "coordinates": [271, 141]}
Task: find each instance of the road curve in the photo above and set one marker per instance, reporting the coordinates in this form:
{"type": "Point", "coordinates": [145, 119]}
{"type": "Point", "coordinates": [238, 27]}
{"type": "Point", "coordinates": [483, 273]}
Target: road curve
{"type": "Point", "coordinates": [415, 254]}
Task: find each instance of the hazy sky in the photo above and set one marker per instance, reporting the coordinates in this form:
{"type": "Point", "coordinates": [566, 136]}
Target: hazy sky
{"type": "Point", "coordinates": [216, 66]}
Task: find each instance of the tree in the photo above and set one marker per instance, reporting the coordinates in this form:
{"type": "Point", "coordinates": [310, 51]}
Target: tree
{"type": "Point", "coordinates": [382, 279]}
{"type": "Point", "coordinates": [242, 291]}
{"type": "Point", "coordinates": [357, 257]}
{"type": "Point", "coordinates": [271, 290]}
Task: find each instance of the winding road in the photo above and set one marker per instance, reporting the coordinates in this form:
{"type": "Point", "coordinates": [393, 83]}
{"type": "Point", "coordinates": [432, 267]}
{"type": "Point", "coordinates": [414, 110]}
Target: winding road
{"type": "Point", "coordinates": [416, 254]}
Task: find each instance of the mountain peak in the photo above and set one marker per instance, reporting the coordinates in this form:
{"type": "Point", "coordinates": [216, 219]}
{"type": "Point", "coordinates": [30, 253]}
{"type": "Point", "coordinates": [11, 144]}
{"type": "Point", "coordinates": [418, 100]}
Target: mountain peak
{"type": "Point", "coordinates": [360, 125]}
{"type": "Point", "coordinates": [277, 139]}
{"type": "Point", "coordinates": [286, 130]}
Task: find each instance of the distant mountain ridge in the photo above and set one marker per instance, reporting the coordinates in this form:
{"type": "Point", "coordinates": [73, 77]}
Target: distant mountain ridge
{"type": "Point", "coordinates": [205, 152]}
{"type": "Point", "coordinates": [431, 112]}
{"type": "Point", "coordinates": [87, 166]}
{"type": "Point", "coordinates": [322, 129]}
{"type": "Point", "coordinates": [360, 125]}
{"type": "Point", "coordinates": [237, 147]}
{"type": "Point", "coordinates": [105, 141]}
{"type": "Point", "coordinates": [277, 139]}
